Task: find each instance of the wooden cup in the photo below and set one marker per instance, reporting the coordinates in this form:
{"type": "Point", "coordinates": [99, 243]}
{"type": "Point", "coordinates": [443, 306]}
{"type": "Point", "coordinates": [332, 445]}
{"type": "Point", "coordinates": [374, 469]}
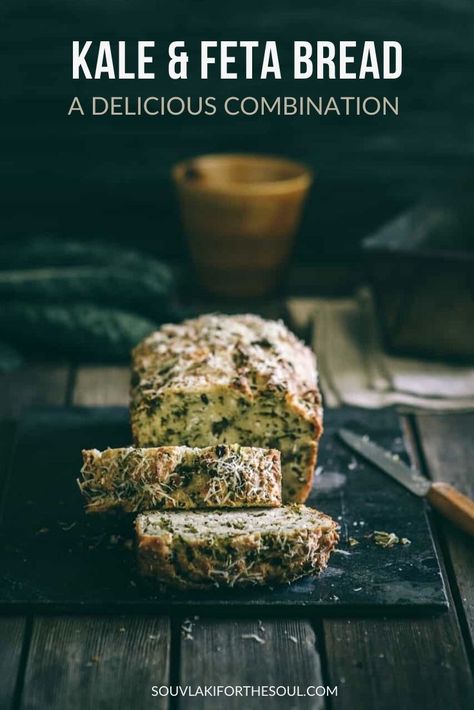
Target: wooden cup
{"type": "Point", "coordinates": [240, 214]}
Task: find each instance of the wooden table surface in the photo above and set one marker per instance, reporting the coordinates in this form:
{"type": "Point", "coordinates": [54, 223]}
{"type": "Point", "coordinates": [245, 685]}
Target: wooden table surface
{"type": "Point", "coordinates": [79, 661]}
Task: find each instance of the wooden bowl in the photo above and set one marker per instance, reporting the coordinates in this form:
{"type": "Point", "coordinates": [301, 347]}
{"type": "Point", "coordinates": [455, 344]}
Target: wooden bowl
{"type": "Point", "coordinates": [240, 214]}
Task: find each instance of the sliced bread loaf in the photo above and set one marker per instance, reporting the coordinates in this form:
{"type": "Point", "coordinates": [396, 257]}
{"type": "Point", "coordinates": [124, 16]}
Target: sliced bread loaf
{"type": "Point", "coordinates": [201, 549]}
{"type": "Point", "coordinates": [133, 479]}
{"type": "Point", "coordinates": [223, 379]}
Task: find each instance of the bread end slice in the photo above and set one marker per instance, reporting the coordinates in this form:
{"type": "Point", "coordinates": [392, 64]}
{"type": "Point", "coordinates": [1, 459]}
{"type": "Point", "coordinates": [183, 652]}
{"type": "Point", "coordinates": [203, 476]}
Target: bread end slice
{"type": "Point", "coordinates": [166, 477]}
{"type": "Point", "coordinates": [233, 548]}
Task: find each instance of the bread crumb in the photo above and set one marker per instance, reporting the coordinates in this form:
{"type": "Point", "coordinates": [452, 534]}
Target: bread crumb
{"type": "Point", "coordinates": [186, 630]}
{"type": "Point", "coordinates": [254, 637]}
{"type": "Point", "coordinates": [385, 539]}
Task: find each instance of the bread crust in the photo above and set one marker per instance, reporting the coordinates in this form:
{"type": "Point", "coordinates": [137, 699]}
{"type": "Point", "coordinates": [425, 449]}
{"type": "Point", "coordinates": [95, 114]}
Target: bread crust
{"type": "Point", "coordinates": [136, 479]}
{"type": "Point", "coordinates": [201, 550]}
{"type": "Point", "coordinates": [228, 379]}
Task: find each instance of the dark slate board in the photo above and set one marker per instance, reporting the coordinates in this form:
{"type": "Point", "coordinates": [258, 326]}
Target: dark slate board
{"type": "Point", "coordinates": [55, 558]}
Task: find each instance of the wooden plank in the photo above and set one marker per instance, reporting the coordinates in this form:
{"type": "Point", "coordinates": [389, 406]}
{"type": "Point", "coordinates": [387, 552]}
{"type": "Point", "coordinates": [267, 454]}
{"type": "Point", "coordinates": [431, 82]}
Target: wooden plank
{"type": "Point", "coordinates": [29, 386]}
{"type": "Point", "coordinates": [90, 662]}
{"type": "Point", "coordinates": [12, 634]}
{"type": "Point", "coordinates": [32, 386]}
{"type": "Point", "coordinates": [93, 661]}
{"type": "Point", "coordinates": [448, 447]}
{"type": "Point", "coordinates": [409, 664]}
{"type": "Point", "coordinates": [12, 630]}
{"type": "Point", "coordinates": [249, 653]}
{"type": "Point", "coordinates": [96, 386]}
{"type": "Point", "coordinates": [128, 190]}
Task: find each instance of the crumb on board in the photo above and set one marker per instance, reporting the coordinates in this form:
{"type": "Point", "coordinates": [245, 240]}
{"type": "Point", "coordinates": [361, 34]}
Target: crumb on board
{"type": "Point", "coordinates": [254, 637]}
{"type": "Point", "coordinates": [66, 526]}
{"type": "Point", "coordinates": [187, 629]}
{"type": "Point", "coordinates": [353, 541]}
{"type": "Point", "coordinates": [386, 539]}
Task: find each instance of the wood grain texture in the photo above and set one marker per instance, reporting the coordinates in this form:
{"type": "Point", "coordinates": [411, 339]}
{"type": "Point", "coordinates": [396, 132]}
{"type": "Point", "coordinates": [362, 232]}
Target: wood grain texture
{"type": "Point", "coordinates": [12, 635]}
{"type": "Point", "coordinates": [448, 447]}
{"type": "Point", "coordinates": [133, 653]}
{"type": "Point", "coordinates": [101, 386]}
{"type": "Point", "coordinates": [375, 165]}
{"type": "Point", "coordinates": [32, 386]}
{"type": "Point", "coordinates": [409, 664]}
{"type": "Point", "coordinates": [12, 630]}
{"type": "Point", "coordinates": [253, 653]}
{"type": "Point", "coordinates": [96, 663]}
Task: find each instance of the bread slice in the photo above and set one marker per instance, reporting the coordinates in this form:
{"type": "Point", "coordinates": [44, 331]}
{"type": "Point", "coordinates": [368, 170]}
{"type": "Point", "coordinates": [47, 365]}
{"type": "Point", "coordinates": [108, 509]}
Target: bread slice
{"type": "Point", "coordinates": [230, 379]}
{"type": "Point", "coordinates": [233, 548]}
{"type": "Point", "coordinates": [132, 480]}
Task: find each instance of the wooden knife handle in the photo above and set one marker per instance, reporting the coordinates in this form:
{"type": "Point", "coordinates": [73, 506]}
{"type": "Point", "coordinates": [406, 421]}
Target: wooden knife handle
{"type": "Point", "coordinates": [455, 506]}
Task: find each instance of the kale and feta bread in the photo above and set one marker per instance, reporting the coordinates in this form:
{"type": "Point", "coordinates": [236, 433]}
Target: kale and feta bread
{"type": "Point", "coordinates": [233, 548]}
{"type": "Point", "coordinates": [136, 479]}
{"type": "Point", "coordinates": [221, 379]}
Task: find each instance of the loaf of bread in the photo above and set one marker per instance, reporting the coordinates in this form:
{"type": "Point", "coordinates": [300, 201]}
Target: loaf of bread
{"type": "Point", "coordinates": [136, 479]}
{"type": "Point", "coordinates": [230, 379]}
{"type": "Point", "coordinates": [232, 548]}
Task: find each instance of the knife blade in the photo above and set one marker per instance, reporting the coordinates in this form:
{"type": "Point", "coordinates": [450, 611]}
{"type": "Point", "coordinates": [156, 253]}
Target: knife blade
{"type": "Point", "coordinates": [447, 500]}
{"type": "Point", "coordinates": [399, 471]}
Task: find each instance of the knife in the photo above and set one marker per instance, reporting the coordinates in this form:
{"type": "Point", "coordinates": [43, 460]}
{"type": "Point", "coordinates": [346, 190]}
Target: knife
{"type": "Point", "coordinates": [448, 501]}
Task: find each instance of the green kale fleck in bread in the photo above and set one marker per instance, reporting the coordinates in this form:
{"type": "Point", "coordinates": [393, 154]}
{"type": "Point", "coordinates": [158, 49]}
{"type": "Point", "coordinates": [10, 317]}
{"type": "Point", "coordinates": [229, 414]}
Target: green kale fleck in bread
{"type": "Point", "coordinates": [232, 548]}
{"type": "Point", "coordinates": [133, 479]}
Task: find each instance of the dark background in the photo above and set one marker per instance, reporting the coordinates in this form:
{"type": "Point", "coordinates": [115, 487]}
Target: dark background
{"type": "Point", "coordinates": [109, 176]}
